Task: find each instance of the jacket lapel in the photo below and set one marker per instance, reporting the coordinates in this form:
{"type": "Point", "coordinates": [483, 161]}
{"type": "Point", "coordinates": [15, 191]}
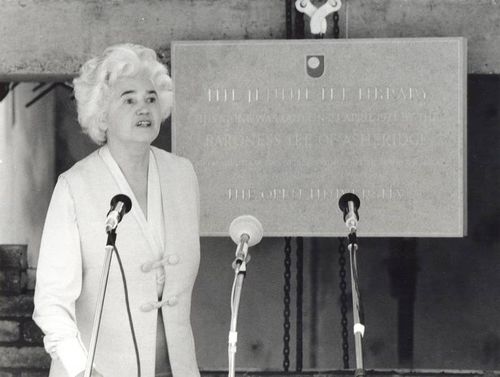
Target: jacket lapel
{"type": "Point", "coordinates": [136, 211]}
{"type": "Point", "coordinates": [167, 194]}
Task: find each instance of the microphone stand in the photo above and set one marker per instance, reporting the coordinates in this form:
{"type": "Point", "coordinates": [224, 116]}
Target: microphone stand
{"type": "Point", "coordinates": [110, 245]}
{"type": "Point", "coordinates": [359, 327]}
{"type": "Point", "coordinates": [240, 270]}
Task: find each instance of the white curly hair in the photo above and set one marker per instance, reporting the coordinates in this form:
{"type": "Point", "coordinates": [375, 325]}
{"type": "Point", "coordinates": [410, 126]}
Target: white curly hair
{"type": "Point", "coordinates": [97, 75]}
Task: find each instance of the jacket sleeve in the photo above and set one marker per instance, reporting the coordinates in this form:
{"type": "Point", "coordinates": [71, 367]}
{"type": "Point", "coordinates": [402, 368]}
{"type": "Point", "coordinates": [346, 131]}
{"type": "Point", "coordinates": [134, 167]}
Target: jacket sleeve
{"type": "Point", "coordinates": [59, 282]}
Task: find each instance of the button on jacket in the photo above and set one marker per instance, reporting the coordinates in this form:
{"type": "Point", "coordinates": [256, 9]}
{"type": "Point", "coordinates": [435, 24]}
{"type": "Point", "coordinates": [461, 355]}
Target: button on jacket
{"type": "Point", "coordinates": [70, 267]}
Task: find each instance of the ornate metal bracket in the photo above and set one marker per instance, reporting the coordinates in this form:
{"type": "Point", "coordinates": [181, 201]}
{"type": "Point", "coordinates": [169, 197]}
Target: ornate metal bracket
{"type": "Point", "coordinates": [318, 15]}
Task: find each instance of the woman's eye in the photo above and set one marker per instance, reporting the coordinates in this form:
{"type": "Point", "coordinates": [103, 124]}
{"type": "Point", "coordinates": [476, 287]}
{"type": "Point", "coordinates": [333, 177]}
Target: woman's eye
{"type": "Point", "coordinates": [151, 100]}
{"type": "Point", "coordinates": [129, 101]}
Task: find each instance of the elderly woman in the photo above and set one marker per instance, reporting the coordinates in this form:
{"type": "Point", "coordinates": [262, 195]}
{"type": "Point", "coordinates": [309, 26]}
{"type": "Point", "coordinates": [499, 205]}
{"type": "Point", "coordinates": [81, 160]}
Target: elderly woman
{"type": "Point", "coordinates": [122, 98]}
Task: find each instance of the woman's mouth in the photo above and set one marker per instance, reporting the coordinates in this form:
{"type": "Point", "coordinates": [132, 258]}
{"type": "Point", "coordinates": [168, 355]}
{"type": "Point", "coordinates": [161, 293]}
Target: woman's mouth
{"type": "Point", "coordinates": [143, 123]}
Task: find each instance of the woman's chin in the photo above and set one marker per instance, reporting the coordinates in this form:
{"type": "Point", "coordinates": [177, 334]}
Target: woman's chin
{"type": "Point", "coordinates": [145, 134]}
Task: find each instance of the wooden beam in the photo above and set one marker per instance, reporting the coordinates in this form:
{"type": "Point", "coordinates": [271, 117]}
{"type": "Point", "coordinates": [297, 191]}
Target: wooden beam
{"type": "Point", "coordinates": [48, 40]}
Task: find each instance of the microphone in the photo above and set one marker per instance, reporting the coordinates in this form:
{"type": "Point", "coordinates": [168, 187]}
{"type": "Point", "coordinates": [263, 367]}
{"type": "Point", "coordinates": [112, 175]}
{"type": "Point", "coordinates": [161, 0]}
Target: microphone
{"type": "Point", "coordinates": [349, 204]}
{"type": "Point", "coordinates": [245, 231]}
{"type": "Point", "coordinates": [120, 205]}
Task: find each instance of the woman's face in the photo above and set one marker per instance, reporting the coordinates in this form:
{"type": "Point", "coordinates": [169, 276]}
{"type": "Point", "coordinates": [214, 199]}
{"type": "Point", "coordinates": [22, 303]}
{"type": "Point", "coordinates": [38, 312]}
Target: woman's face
{"type": "Point", "coordinates": [134, 114]}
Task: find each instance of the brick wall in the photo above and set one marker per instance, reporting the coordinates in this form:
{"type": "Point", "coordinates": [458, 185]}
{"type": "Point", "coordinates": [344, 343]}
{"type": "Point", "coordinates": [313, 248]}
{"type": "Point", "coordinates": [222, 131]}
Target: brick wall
{"type": "Point", "coordinates": [21, 346]}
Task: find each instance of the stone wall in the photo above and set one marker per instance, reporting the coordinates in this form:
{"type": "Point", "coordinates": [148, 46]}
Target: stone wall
{"type": "Point", "coordinates": [21, 344]}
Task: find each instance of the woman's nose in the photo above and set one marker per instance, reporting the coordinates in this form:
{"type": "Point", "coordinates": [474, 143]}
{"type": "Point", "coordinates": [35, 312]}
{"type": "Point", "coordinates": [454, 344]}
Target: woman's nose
{"type": "Point", "coordinates": [142, 110]}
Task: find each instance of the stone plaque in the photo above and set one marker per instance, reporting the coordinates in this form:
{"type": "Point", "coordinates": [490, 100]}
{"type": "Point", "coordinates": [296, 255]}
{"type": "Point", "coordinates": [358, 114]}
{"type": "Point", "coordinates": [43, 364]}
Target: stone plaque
{"type": "Point", "coordinates": [281, 129]}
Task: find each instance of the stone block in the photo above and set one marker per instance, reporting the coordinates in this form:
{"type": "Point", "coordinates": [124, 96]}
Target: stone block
{"type": "Point", "coordinates": [34, 374]}
{"type": "Point", "coordinates": [12, 281]}
{"type": "Point", "coordinates": [9, 331]}
{"type": "Point", "coordinates": [8, 374]}
{"type": "Point", "coordinates": [32, 333]}
{"type": "Point", "coordinates": [24, 357]}
{"type": "Point", "coordinates": [16, 306]}
{"type": "Point", "coordinates": [13, 257]}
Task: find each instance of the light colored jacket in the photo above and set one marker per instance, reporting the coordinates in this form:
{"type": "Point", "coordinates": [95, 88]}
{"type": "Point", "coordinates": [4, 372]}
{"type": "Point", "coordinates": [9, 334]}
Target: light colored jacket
{"type": "Point", "coordinates": [70, 267]}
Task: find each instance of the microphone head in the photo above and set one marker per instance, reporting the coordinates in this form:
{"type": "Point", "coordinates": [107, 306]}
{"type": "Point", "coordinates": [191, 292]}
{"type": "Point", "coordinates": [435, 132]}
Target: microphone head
{"type": "Point", "coordinates": [249, 225]}
{"type": "Point", "coordinates": [344, 203]}
{"type": "Point", "coordinates": [127, 203]}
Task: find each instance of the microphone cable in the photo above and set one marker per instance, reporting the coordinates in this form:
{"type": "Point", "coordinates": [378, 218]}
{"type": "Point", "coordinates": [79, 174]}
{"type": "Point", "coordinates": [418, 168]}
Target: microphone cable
{"type": "Point", "coordinates": [354, 261]}
{"type": "Point", "coordinates": [129, 314]}
{"type": "Point", "coordinates": [239, 275]}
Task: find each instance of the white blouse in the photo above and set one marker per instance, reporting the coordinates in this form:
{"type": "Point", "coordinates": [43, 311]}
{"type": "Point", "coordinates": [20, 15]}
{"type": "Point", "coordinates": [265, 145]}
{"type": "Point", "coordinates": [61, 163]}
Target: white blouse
{"type": "Point", "coordinates": [154, 224]}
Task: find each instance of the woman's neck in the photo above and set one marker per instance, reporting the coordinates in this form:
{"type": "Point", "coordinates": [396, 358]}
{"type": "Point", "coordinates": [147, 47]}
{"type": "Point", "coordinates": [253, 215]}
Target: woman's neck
{"type": "Point", "coordinates": [132, 159]}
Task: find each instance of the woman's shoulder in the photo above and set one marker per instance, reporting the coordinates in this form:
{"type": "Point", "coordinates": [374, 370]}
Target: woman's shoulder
{"type": "Point", "coordinates": [86, 164]}
{"type": "Point", "coordinates": [170, 159]}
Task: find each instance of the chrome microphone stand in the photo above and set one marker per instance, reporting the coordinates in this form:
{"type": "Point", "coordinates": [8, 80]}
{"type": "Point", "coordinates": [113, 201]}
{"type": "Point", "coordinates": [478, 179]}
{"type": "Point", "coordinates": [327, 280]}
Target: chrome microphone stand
{"type": "Point", "coordinates": [120, 205]}
{"type": "Point", "coordinates": [359, 327]}
{"type": "Point", "coordinates": [240, 270]}
{"type": "Point", "coordinates": [110, 245]}
{"type": "Point", "coordinates": [245, 231]}
{"type": "Point", "coordinates": [349, 204]}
